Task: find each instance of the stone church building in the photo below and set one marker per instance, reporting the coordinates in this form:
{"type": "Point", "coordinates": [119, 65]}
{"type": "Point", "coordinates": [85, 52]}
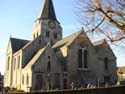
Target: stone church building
{"type": "Point", "coordinates": [49, 61]}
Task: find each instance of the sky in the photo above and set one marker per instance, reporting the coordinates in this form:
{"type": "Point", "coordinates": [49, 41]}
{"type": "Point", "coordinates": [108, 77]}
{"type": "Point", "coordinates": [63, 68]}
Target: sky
{"type": "Point", "coordinates": [17, 20]}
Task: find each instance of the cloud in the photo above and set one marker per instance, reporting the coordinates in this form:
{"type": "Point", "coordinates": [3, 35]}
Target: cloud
{"type": "Point", "coordinates": [71, 28]}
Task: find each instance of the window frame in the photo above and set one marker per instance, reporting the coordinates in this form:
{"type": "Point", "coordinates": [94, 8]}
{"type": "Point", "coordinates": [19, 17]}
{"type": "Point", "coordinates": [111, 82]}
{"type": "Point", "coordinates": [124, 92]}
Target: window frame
{"type": "Point", "coordinates": [106, 60]}
{"type": "Point", "coordinates": [47, 34]}
{"type": "Point", "coordinates": [85, 60]}
{"type": "Point", "coordinates": [8, 63]}
{"type": "Point", "coordinates": [23, 79]}
{"type": "Point", "coordinates": [48, 66]}
{"type": "Point", "coordinates": [55, 35]}
{"type": "Point", "coordinates": [14, 65]}
{"type": "Point", "coordinates": [27, 79]}
{"type": "Point", "coordinates": [80, 59]}
{"type": "Point", "coordinates": [19, 62]}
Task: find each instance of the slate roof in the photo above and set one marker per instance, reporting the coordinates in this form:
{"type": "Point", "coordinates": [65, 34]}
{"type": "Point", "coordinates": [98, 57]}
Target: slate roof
{"type": "Point", "coordinates": [35, 58]}
{"type": "Point", "coordinates": [17, 44]}
{"type": "Point", "coordinates": [48, 11]}
{"type": "Point", "coordinates": [67, 40]}
{"type": "Point", "coordinates": [121, 70]}
{"type": "Point", "coordinates": [64, 42]}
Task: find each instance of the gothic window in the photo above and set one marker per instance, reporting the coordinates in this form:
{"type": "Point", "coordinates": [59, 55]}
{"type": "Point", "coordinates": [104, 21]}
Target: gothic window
{"type": "Point", "coordinates": [39, 41]}
{"type": "Point", "coordinates": [64, 66]}
{"type": "Point", "coordinates": [80, 58]}
{"type": "Point", "coordinates": [51, 42]}
{"type": "Point", "coordinates": [47, 34]}
{"type": "Point", "coordinates": [48, 57]}
{"type": "Point", "coordinates": [14, 64]}
{"type": "Point", "coordinates": [85, 59]}
{"type": "Point", "coordinates": [8, 63]}
{"type": "Point", "coordinates": [27, 79]}
{"type": "Point", "coordinates": [33, 36]}
{"type": "Point", "coordinates": [49, 66]}
{"type": "Point", "coordinates": [55, 35]}
{"type": "Point", "coordinates": [18, 62]}
{"type": "Point", "coordinates": [37, 34]}
{"type": "Point", "coordinates": [106, 63]}
{"type": "Point", "coordinates": [23, 79]}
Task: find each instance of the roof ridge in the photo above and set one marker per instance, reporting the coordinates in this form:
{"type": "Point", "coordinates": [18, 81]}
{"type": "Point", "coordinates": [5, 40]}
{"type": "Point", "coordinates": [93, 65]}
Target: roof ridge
{"type": "Point", "coordinates": [66, 40]}
{"type": "Point", "coordinates": [19, 39]}
{"type": "Point", "coordinates": [17, 44]}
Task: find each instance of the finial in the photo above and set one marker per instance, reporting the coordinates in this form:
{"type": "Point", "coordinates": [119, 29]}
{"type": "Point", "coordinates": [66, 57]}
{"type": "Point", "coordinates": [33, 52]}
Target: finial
{"type": "Point", "coordinates": [82, 28]}
{"type": "Point", "coordinates": [10, 36]}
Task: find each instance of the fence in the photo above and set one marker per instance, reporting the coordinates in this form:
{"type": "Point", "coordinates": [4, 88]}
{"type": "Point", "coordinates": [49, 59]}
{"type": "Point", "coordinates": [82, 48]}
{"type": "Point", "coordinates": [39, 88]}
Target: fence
{"type": "Point", "coordinates": [109, 90]}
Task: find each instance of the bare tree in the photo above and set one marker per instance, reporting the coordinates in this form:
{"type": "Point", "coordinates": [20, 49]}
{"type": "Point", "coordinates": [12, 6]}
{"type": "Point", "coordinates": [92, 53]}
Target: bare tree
{"type": "Point", "coordinates": [104, 16]}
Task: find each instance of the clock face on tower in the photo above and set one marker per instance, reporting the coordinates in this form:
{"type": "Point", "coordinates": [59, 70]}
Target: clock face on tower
{"type": "Point", "coordinates": [52, 24]}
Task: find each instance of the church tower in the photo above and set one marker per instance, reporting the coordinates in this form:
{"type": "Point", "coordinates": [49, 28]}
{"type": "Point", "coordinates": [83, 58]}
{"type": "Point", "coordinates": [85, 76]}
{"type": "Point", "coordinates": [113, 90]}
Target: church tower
{"type": "Point", "coordinates": [47, 25]}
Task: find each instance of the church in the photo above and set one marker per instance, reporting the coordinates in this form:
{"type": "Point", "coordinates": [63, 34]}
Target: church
{"type": "Point", "coordinates": [49, 61]}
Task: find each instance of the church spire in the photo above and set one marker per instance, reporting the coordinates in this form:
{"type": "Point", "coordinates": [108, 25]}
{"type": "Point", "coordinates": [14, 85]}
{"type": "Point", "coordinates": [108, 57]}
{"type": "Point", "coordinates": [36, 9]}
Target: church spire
{"type": "Point", "coordinates": [47, 25]}
{"type": "Point", "coordinates": [48, 11]}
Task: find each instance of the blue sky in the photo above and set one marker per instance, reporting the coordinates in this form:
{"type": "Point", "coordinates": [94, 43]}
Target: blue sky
{"type": "Point", "coordinates": [17, 19]}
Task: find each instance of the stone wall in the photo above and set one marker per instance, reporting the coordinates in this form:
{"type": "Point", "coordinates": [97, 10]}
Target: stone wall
{"type": "Point", "coordinates": [82, 75]}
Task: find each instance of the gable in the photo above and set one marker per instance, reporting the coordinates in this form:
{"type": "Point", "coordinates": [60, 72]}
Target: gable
{"type": "Point", "coordinates": [84, 39]}
{"type": "Point", "coordinates": [31, 48]}
{"type": "Point", "coordinates": [37, 56]}
{"type": "Point", "coordinates": [103, 47]}
{"type": "Point", "coordinates": [110, 51]}
{"type": "Point", "coordinates": [64, 44]}
{"type": "Point", "coordinates": [47, 61]}
{"type": "Point", "coordinates": [67, 41]}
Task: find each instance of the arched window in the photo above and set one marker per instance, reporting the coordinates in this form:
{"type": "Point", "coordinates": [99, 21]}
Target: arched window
{"type": "Point", "coordinates": [33, 36]}
{"type": "Point", "coordinates": [106, 63]}
{"type": "Point", "coordinates": [40, 41]}
{"type": "Point", "coordinates": [37, 34]}
{"type": "Point", "coordinates": [85, 59]}
{"type": "Point", "coordinates": [8, 63]}
{"type": "Point", "coordinates": [48, 57]}
{"type": "Point", "coordinates": [80, 58]}
{"type": "Point", "coordinates": [51, 42]}
{"type": "Point", "coordinates": [49, 66]}
{"type": "Point", "coordinates": [27, 79]}
{"type": "Point", "coordinates": [47, 34]}
{"type": "Point", "coordinates": [23, 79]}
{"type": "Point", "coordinates": [18, 62]}
{"type": "Point", "coordinates": [55, 35]}
{"type": "Point", "coordinates": [65, 67]}
{"type": "Point", "coordinates": [14, 65]}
